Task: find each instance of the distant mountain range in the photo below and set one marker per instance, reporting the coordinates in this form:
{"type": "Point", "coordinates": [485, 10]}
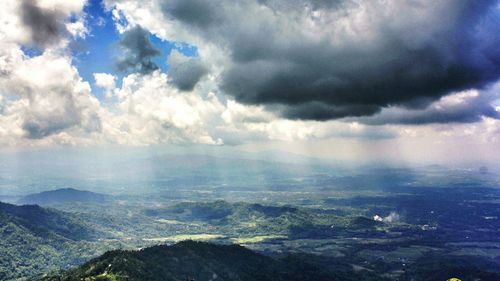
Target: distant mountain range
{"type": "Point", "coordinates": [191, 260]}
{"type": "Point", "coordinates": [63, 195]}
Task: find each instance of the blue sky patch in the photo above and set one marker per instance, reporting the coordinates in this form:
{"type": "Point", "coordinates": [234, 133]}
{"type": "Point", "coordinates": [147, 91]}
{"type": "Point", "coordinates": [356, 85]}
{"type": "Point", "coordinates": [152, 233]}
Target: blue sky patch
{"type": "Point", "coordinates": [99, 51]}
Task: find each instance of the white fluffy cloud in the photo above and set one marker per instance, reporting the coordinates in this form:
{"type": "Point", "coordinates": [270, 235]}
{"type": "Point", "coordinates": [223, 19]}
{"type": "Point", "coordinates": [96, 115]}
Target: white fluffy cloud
{"type": "Point", "coordinates": [105, 81]}
{"type": "Point", "coordinates": [151, 111]}
{"type": "Point", "coordinates": [253, 123]}
{"type": "Point", "coordinates": [44, 100]}
{"type": "Point", "coordinates": [40, 106]}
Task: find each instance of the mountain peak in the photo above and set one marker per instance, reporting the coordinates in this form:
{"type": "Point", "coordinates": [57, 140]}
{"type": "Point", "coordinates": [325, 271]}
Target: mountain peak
{"type": "Point", "coordinates": [63, 195]}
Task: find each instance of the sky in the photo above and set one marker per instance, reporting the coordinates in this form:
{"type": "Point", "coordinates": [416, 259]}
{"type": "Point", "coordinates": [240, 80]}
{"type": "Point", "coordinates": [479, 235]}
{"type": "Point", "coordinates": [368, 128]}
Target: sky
{"type": "Point", "coordinates": [393, 81]}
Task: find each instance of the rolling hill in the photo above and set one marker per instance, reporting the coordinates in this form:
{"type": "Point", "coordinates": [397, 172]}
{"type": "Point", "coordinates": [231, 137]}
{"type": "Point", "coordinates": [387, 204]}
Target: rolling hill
{"type": "Point", "coordinates": [63, 195]}
{"type": "Point", "coordinates": [32, 239]}
{"type": "Point", "coordinates": [191, 260]}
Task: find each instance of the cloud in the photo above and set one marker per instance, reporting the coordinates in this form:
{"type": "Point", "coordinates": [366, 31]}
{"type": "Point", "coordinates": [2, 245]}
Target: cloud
{"type": "Point", "coordinates": [2, 104]}
{"type": "Point", "coordinates": [77, 28]}
{"type": "Point", "coordinates": [138, 51]}
{"type": "Point", "coordinates": [462, 107]}
{"type": "Point", "coordinates": [42, 98]}
{"type": "Point", "coordinates": [332, 59]}
{"type": "Point", "coordinates": [46, 26]}
{"type": "Point", "coordinates": [279, 76]}
{"type": "Point", "coordinates": [36, 109]}
{"type": "Point", "coordinates": [42, 24]}
{"type": "Point", "coordinates": [105, 80]}
{"type": "Point", "coordinates": [40, 105]}
{"type": "Point", "coordinates": [246, 123]}
{"type": "Point", "coordinates": [151, 111]}
{"type": "Point", "coordinates": [148, 110]}
{"type": "Point", "coordinates": [198, 13]}
{"type": "Point", "coordinates": [185, 72]}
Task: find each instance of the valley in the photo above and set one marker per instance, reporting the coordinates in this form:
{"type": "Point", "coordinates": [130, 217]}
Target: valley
{"type": "Point", "coordinates": [390, 234]}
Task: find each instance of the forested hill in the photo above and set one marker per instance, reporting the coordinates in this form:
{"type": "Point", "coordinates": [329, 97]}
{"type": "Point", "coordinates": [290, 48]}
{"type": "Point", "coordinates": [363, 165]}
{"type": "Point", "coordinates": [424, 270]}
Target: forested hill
{"type": "Point", "coordinates": [32, 239]}
{"type": "Point", "coordinates": [190, 260]}
{"type": "Point", "coordinates": [63, 195]}
{"type": "Point", "coordinates": [45, 223]}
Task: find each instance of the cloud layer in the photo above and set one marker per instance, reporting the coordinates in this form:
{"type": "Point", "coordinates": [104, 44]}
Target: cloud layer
{"type": "Point", "coordinates": [353, 73]}
{"type": "Point", "coordinates": [464, 107]}
{"type": "Point", "coordinates": [332, 59]}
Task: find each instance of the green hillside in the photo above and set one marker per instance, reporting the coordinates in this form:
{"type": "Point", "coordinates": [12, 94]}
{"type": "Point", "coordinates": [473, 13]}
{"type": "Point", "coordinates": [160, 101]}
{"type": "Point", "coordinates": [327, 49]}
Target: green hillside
{"type": "Point", "coordinates": [34, 239]}
{"type": "Point", "coordinates": [203, 261]}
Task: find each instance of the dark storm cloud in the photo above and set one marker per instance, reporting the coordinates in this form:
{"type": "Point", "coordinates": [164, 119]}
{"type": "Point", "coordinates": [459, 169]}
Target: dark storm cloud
{"type": "Point", "coordinates": [38, 130]}
{"type": "Point", "coordinates": [138, 52]}
{"type": "Point", "coordinates": [184, 73]}
{"type": "Point", "coordinates": [200, 13]}
{"type": "Point", "coordinates": [405, 61]}
{"type": "Point", "coordinates": [46, 27]}
{"type": "Point", "coordinates": [321, 111]}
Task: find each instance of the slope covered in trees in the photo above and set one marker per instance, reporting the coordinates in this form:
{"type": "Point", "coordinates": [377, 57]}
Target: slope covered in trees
{"type": "Point", "coordinates": [34, 239]}
{"type": "Point", "coordinates": [203, 261]}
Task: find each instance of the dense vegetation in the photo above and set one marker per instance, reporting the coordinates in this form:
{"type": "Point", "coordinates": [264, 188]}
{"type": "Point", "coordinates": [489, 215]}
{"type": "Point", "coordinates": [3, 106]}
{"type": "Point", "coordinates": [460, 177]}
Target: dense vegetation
{"type": "Point", "coordinates": [34, 239]}
{"type": "Point", "coordinates": [246, 219]}
{"type": "Point", "coordinates": [203, 261]}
